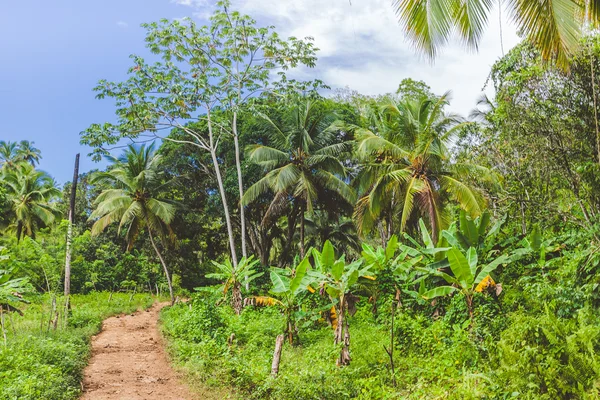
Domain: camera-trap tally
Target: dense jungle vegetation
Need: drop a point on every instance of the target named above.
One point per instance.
(330, 244)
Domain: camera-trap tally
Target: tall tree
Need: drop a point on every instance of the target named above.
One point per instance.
(133, 201)
(539, 133)
(8, 154)
(204, 70)
(301, 161)
(407, 169)
(29, 193)
(28, 153)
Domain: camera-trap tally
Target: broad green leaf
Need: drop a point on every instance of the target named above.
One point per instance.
(332, 291)
(484, 222)
(496, 228)
(328, 255)
(295, 283)
(391, 247)
(438, 292)
(409, 250)
(252, 277)
(535, 238)
(472, 258)
(337, 270)
(460, 267)
(435, 250)
(485, 271)
(352, 279)
(440, 264)
(468, 229)
(425, 235)
(448, 278)
(281, 284)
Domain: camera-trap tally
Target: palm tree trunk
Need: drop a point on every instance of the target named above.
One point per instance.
(213, 154)
(162, 261)
(302, 212)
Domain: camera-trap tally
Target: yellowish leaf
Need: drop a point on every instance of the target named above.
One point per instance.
(484, 284)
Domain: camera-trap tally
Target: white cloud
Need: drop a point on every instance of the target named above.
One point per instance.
(190, 3)
(122, 24)
(363, 46)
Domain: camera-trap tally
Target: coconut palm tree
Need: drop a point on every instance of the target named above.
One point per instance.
(301, 161)
(26, 152)
(8, 154)
(29, 193)
(132, 200)
(407, 169)
(554, 27)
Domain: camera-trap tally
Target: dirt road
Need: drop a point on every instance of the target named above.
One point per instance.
(129, 363)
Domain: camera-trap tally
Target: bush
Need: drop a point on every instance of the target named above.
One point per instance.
(547, 357)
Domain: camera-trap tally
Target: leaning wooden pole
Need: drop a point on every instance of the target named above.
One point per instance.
(277, 354)
(70, 236)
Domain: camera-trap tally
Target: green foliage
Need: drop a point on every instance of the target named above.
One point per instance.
(42, 363)
(547, 357)
(407, 169)
(554, 30)
(235, 276)
(29, 193)
(12, 288)
(533, 159)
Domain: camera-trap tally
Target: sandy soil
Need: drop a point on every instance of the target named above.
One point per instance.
(129, 363)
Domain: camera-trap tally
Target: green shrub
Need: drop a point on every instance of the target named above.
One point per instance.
(546, 357)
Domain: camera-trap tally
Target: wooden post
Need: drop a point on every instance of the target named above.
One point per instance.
(2, 324)
(70, 236)
(277, 355)
(390, 351)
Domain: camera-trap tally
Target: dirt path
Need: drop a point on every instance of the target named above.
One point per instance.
(129, 363)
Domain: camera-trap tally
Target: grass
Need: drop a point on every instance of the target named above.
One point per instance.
(42, 363)
(197, 338)
(503, 354)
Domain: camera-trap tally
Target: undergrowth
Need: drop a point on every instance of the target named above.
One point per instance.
(504, 354)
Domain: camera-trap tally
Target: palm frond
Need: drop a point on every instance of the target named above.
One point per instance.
(467, 197)
(551, 25)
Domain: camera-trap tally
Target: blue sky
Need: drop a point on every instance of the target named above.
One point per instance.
(54, 52)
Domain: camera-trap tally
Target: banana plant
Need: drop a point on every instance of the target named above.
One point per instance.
(395, 264)
(233, 277)
(534, 245)
(401, 269)
(468, 276)
(288, 288)
(337, 278)
(478, 233)
(11, 291)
